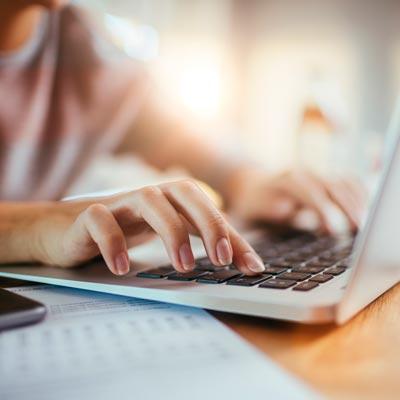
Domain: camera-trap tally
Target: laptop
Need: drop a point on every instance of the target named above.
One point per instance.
(308, 278)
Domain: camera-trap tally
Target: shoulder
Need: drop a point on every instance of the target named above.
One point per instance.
(88, 56)
(85, 41)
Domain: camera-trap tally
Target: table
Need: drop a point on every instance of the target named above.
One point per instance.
(359, 360)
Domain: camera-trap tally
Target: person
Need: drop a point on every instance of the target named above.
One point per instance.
(68, 96)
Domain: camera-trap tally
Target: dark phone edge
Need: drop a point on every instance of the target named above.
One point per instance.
(21, 318)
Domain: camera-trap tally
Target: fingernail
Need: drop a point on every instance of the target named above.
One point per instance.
(224, 252)
(186, 257)
(122, 263)
(253, 262)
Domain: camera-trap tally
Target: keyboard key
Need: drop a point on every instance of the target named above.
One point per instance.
(321, 278)
(205, 268)
(210, 268)
(204, 264)
(248, 280)
(342, 254)
(284, 248)
(306, 286)
(203, 261)
(309, 269)
(307, 252)
(282, 264)
(187, 276)
(296, 259)
(335, 271)
(269, 269)
(218, 277)
(320, 263)
(326, 254)
(294, 276)
(156, 273)
(344, 263)
(327, 261)
(277, 284)
(269, 253)
(329, 258)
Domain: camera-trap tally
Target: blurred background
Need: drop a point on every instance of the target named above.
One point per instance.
(308, 82)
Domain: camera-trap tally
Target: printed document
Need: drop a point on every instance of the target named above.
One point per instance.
(99, 346)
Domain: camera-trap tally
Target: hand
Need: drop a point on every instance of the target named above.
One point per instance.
(254, 195)
(76, 232)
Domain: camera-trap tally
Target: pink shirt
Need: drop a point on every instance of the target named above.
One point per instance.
(65, 97)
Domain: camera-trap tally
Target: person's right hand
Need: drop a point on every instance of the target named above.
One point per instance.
(80, 230)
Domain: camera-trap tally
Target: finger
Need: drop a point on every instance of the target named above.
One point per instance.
(339, 194)
(305, 219)
(157, 211)
(358, 193)
(97, 224)
(312, 194)
(281, 209)
(198, 209)
(240, 247)
(244, 256)
(137, 240)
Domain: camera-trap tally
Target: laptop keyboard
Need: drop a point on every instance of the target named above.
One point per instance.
(302, 263)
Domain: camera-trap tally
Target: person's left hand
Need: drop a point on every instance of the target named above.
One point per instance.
(283, 198)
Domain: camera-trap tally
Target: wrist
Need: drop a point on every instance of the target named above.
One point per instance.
(47, 228)
(239, 182)
(20, 230)
(37, 235)
(39, 230)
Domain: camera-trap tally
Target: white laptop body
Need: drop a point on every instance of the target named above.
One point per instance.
(375, 268)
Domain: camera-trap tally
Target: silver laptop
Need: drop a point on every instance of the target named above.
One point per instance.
(308, 279)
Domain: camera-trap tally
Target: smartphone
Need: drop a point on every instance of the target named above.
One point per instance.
(16, 310)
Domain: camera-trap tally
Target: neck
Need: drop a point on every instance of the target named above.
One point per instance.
(17, 26)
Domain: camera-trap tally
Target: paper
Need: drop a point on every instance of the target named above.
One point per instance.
(99, 346)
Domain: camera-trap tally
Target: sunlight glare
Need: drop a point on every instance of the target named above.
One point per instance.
(200, 89)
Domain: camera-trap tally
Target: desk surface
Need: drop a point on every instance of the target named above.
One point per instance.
(359, 360)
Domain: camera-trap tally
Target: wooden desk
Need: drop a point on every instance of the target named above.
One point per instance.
(359, 360)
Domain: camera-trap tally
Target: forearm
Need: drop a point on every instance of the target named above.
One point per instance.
(18, 240)
(22, 224)
(164, 141)
(227, 173)
(201, 157)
